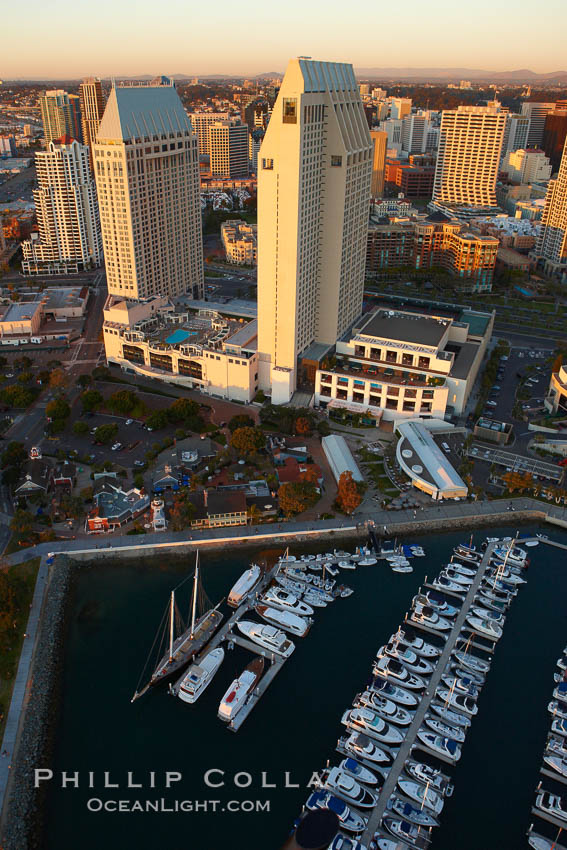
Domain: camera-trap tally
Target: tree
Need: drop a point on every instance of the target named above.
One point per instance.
(247, 440)
(182, 511)
(86, 494)
(8, 605)
(138, 480)
(25, 377)
(302, 425)
(348, 496)
(22, 524)
(242, 420)
(72, 506)
(80, 428)
(14, 454)
(295, 497)
(157, 420)
(106, 433)
(59, 408)
(17, 396)
(58, 379)
(123, 401)
(311, 474)
(84, 381)
(183, 409)
(91, 400)
(44, 376)
(101, 373)
(323, 428)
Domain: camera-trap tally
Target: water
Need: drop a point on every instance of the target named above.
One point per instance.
(295, 726)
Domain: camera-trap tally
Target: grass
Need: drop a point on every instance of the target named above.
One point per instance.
(24, 576)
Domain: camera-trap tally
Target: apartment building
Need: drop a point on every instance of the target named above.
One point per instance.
(470, 145)
(314, 184)
(515, 133)
(228, 146)
(240, 242)
(400, 107)
(412, 180)
(551, 247)
(389, 246)
(402, 364)
(92, 108)
(69, 238)
(61, 115)
(147, 176)
(526, 166)
(379, 142)
(201, 121)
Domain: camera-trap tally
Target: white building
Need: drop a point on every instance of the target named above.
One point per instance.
(515, 133)
(239, 241)
(228, 145)
(69, 238)
(201, 121)
(147, 174)
(425, 463)
(470, 144)
(314, 180)
(526, 166)
(551, 247)
(400, 365)
(536, 113)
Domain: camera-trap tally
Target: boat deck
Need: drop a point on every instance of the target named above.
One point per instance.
(410, 741)
(262, 687)
(560, 824)
(556, 846)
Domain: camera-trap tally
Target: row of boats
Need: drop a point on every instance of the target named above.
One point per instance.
(381, 716)
(549, 802)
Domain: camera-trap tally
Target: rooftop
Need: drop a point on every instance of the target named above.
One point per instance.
(464, 358)
(135, 112)
(423, 461)
(406, 327)
(21, 312)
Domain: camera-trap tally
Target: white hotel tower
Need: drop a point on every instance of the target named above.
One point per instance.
(314, 181)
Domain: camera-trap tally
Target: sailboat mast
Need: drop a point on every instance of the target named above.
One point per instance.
(195, 595)
(171, 621)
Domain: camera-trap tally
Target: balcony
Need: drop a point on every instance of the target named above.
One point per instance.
(387, 375)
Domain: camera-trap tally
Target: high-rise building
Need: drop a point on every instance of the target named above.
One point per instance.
(201, 121)
(92, 108)
(400, 107)
(61, 115)
(228, 144)
(7, 146)
(554, 135)
(379, 141)
(147, 176)
(515, 133)
(254, 144)
(526, 166)
(67, 213)
(536, 112)
(314, 182)
(470, 143)
(551, 246)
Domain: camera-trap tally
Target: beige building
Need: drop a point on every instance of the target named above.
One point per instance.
(61, 115)
(526, 166)
(400, 364)
(551, 247)
(228, 144)
(380, 142)
(147, 176)
(400, 107)
(201, 121)
(239, 240)
(314, 180)
(204, 350)
(69, 238)
(92, 108)
(469, 154)
(556, 400)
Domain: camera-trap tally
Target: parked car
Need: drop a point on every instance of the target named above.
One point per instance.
(129, 422)
(139, 463)
(116, 447)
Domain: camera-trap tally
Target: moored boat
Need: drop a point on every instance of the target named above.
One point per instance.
(425, 795)
(362, 719)
(406, 810)
(244, 586)
(267, 636)
(429, 776)
(361, 773)
(199, 676)
(361, 746)
(284, 619)
(278, 597)
(349, 819)
(240, 689)
(345, 785)
(439, 744)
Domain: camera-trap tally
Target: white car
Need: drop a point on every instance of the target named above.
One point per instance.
(129, 422)
(116, 447)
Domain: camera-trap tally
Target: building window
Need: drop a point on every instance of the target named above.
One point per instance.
(407, 359)
(358, 397)
(268, 164)
(423, 362)
(289, 110)
(336, 161)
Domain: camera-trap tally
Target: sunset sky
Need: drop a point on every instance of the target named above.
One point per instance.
(62, 39)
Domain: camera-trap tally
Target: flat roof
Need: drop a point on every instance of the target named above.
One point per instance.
(464, 358)
(477, 322)
(21, 312)
(246, 336)
(423, 460)
(406, 327)
(233, 307)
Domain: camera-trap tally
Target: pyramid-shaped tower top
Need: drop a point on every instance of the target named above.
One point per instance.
(134, 112)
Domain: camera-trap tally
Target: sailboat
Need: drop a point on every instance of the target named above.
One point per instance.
(189, 641)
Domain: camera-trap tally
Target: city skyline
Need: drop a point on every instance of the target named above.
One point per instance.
(62, 52)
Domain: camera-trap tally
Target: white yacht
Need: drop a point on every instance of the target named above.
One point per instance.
(444, 583)
(245, 584)
(267, 636)
(441, 728)
(361, 746)
(386, 708)
(457, 577)
(392, 669)
(426, 616)
(425, 795)
(296, 587)
(368, 561)
(553, 804)
(199, 676)
(314, 599)
(410, 640)
(388, 689)
(361, 773)
(437, 601)
(556, 763)
(364, 720)
(284, 619)
(461, 702)
(278, 597)
(464, 686)
(346, 565)
(479, 665)
(429, 776)
(411, 813)
(405, 656)
(484, 627)
(345, 785)
(455, 718)
(240, 689)
(487, 614)
(447, 747)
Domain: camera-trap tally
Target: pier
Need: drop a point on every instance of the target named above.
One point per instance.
(409, 741)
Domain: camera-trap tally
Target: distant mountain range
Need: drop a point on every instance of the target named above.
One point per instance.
(522, 75)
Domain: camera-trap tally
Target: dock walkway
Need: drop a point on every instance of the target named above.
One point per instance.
(417, 722)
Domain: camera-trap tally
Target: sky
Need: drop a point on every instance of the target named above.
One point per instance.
(66, 39)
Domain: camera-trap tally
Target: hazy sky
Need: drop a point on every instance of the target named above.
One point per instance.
(62, 38)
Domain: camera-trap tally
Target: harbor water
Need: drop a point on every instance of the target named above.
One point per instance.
(116, 609)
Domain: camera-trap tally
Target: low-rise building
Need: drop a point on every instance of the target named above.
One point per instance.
(493, 431)
(402, 364)
(415, 181)
(217, 508)
(556, 400)
(340, 457)
(426, 465)
(202, 350)
(239, 241)
(114, 506)
(40, 316)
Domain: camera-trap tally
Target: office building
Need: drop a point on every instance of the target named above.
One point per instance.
(556, 399)
(551, 247)
(7, 146)
(201, 121)
(470, 144)
(254, 144)
(92, 108)
(228, 147)
(147, 176)
(554, 135)
(402, 364)
(515, 133)
(314, 182)
(526, 166)
(379, 141)
(411, 179)
(378, 94)
(69, 238)
(536, 113)
(61, 115)
(400, 107)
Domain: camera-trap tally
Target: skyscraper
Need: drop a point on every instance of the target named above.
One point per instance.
(551, 246)
(147, 176)
(228, 145)
(314, 180)
(201, 121)
(61, 115)
(92, 108)
(536, 112)
(470, 143)
(67, 212)
(554, 135)
(380, 142)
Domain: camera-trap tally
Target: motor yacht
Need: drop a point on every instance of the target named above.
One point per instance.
(361, 746)
(331, 570)
(346, 565)
(429, 776)
(343, 784)
(487, 614)
(461, 568)
(440, 728)
(425, 615)
(199, 676)
(244, 586)
(461, 673)
(455, 718)
(296, 587)
(368, 561)
(444, 583)
(556, 763)
(558, 709)
(345, 842)
(278, 597)
(408, 833)
(364, 720)
(348, 819)
(461, 702)
(436, 600)
(344, 591)
(486, 628)
(553, 804)
(425, 795)
(267, 636)
(314, 599)
(479, 665)
(284, 619)
(361, 773)
(408, 811)
(560, 692)
(297, 575)
(458, 577)
(400, 567)
(447, 747)
(513, 556)
(409, 639)
(413, 662)
(240, 689)
(386, 708)
(388, 689)
(392, 669)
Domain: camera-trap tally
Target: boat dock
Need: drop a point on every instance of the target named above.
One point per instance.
(266, 680)
(537, 835)
(410, 740)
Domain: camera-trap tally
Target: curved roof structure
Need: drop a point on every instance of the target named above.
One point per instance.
(428, 467)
